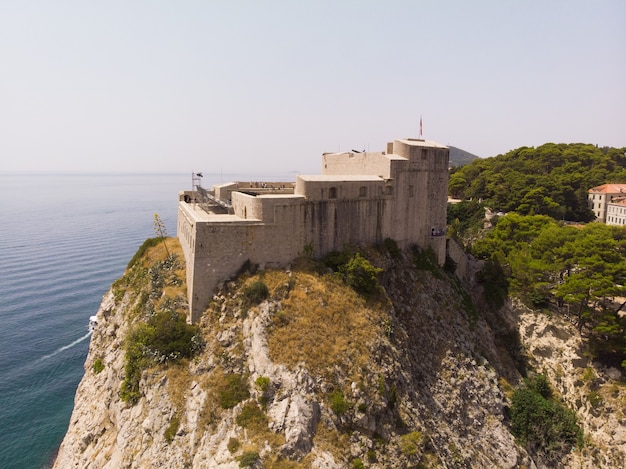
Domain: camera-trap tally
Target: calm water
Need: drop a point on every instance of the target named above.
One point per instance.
(63, 240)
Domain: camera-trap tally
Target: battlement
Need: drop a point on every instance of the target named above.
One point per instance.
(360, 198)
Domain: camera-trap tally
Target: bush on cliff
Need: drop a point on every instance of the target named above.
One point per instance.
(356, 271)
(164, 337)
(542, 423)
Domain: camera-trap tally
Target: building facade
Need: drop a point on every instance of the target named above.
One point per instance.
(360, 198)
(601, 197)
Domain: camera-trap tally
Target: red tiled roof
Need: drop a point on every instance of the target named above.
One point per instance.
(609, 189)
(619, 201)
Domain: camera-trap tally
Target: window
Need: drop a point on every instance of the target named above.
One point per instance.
(332, 193)
(362, 191)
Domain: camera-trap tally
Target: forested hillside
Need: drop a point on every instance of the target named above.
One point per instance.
(552, 179)
(578, 271)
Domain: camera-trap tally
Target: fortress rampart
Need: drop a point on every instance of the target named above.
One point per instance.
(359, 198)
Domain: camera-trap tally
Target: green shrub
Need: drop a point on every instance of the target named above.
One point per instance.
(165, 337)
(359, 274)
(170, 431)
(232, 390)
(595, 399)
(411, 443)
(233, 445)
(338, 403)
(336, 259)
(495, 282)
(249, 458)
(262, 383)
(392, 248)
(357, 464)
(424, 259)
(98, 366)
(544, 425)
(539, 384)
(256, 292)
(147, 244)
(251, 415)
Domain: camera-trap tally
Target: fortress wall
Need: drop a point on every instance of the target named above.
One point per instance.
(467, 266)
(375, 164)
(421, 196)
(185, 231)
(351, 203)
(223, 191)
(222, 247)
(261, 207)
(355, 189)
(220, 254)
(247, 206)
(330, 225)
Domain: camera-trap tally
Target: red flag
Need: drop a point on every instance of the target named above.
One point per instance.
(420, 126)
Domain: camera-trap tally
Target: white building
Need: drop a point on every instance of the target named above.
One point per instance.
(601, 197)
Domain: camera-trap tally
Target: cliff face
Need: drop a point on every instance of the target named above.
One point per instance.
(314, 375)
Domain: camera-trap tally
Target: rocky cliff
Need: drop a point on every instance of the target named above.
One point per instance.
(296, 369)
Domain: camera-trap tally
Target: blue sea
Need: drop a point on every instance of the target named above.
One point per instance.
(64, 238)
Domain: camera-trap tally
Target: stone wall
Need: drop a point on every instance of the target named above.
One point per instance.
(467, 266)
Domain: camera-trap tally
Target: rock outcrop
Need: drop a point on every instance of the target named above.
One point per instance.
(411, 377)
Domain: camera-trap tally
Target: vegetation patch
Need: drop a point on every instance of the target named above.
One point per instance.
(338, 403)
(170, 431)
(412, 443)
(164, 338)
(256, 292)
(576, 271)
(551, 179)
(160, 334)
(251, 416)
(141, 252)
(232, 389)
(544, 425)
(323, 321)
(233, 445)
(357, 464)
(98, 366)
(248, 458)
(425, 259)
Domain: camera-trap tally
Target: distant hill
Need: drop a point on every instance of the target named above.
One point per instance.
(552, 179)
(460, 157)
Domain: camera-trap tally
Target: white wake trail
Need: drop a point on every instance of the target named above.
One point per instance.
(65, 347)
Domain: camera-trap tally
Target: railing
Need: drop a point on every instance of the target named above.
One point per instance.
(207, 199)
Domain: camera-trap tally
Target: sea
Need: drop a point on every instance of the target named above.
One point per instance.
(64, 238)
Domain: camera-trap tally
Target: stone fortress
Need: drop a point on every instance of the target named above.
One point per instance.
(360, 198)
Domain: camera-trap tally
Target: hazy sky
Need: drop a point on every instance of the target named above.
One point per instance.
(258, 85)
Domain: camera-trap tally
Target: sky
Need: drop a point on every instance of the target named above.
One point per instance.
(233, 85)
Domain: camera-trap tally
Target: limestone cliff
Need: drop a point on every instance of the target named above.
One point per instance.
(311, 374)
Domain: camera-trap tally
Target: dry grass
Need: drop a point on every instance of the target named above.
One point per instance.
(331, 441)
(322, 324)
(178, 381)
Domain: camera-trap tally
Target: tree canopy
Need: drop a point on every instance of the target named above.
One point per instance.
(578, 270)
(552, 179)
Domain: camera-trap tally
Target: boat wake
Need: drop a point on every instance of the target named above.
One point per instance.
(65, 347)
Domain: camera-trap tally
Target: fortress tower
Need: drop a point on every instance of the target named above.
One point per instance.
(360, 198)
